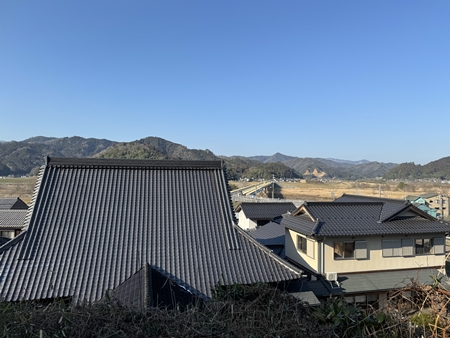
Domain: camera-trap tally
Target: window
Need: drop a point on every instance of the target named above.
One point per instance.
(305, 245)
(392, 248)
(439, 245)
(397, 247)
(7, 233)
(423, 246)
(350, 250)
(301, 244)
(407, 247)
(427, 246)
(361, 250)
(343, 250)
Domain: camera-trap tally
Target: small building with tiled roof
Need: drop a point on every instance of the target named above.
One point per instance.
(12, 222)
(253, 214)
(9, 203)
(363, 235)
(140, 230)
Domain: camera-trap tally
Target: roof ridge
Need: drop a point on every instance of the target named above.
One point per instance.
(137, 163)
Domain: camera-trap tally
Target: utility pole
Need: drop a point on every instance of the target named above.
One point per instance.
(273, 185)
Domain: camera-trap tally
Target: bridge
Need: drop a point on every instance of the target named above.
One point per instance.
(248, 194)
(252, 189)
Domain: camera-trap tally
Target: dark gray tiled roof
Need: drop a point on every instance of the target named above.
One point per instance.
(390, 206)
(359, 219)
(7, 203)
(95, 223)
(362, 198)
(265, 211)
(3, 240)
(269, 234)
(14, 219)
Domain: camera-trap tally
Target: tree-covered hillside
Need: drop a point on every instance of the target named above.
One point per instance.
(239, 167)
(25, 157)
(158, 149)
(155, 148)
(439, 169)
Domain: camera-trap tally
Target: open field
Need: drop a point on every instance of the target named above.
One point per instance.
(303, 190)
(327, 191)
(18, 187)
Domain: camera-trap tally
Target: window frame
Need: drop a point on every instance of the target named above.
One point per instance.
(344, 250)
(422, 246)
(302, 244)
(394, 245)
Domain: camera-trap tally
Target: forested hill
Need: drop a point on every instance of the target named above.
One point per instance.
(158, 149)
(439, 169)
(155, 148)
(25, 157)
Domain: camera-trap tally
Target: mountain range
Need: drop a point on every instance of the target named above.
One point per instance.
(25, 157)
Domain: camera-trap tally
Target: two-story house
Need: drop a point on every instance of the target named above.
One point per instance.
(364, 245)
(435, 204)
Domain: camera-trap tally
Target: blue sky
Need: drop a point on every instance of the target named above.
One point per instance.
(333, 79)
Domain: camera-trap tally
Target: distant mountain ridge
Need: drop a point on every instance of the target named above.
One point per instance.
(25, 157)
(322, 168)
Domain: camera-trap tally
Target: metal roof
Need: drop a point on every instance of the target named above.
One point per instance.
(14, 219)
(266, 210)
(95, 223)
(362, 218)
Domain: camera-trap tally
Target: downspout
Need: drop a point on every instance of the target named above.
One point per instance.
(321, 258)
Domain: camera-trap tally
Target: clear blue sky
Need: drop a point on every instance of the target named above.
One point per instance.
(342, 79)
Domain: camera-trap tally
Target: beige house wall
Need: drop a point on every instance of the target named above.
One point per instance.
(244, 222)
(374, 261)
(310, 262)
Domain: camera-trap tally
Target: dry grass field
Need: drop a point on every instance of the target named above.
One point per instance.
(327, 191)
(18, 187)
(304, 190)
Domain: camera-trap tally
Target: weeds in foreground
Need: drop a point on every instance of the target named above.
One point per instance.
(238, 311)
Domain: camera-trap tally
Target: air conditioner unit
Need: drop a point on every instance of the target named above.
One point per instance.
(331, 276)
